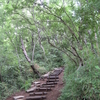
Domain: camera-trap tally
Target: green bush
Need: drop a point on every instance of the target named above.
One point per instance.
(54, 58)
(6, 90)
(82, 84)
(27, 84)
(14, 80)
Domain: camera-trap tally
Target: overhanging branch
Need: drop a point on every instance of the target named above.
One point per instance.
(62, 51)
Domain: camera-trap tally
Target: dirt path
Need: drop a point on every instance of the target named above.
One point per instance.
(52, 95)
(55, 93)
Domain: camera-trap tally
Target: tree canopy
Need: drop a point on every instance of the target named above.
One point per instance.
(50, 33)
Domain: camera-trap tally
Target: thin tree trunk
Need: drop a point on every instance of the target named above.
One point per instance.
(0, 77)
(39, 36)
(24, 51)
(97, 46)
(80, 59)
(28, 59)
(33, 50)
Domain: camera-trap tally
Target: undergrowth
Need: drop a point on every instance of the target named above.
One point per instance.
(82, 84)
(16, 78)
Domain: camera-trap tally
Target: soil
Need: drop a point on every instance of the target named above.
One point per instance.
(52, 95)
(56, 92)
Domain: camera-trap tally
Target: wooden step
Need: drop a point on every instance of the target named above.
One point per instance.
(56, 73)
(36, 98)
(52, 80)
(53, 74)
(38, 93)
(31, 89)
(18, 97)
(60, 70)
(45, 85)
(51, 83)
(43, 89)
(52, 77)
(57, 70)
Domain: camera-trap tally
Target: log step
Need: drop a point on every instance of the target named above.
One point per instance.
(45, 85)
(52, 77)
(18, 97)
(38, 93)
(56, 73)
(59, 71)
(43, 89)
(31, 89)
(52, 80)
(36, 98)
(51, 83)
(53, 74)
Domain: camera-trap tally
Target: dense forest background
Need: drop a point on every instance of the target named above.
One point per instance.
(39, 35)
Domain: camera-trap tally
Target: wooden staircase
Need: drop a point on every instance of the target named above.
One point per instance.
(40, 91)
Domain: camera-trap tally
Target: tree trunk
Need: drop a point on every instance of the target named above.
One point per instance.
(28, 59)
(0, 77)
(35, 71)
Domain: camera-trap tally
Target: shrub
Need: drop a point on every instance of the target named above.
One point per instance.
(82, 84)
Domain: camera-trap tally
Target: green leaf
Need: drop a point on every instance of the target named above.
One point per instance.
(97, 67)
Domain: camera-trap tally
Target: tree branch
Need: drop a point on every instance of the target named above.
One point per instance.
(33, 50)
(39, 36)
(24, 51)
(24, 18)
(62, 51)
(63, 23)
(80, 59)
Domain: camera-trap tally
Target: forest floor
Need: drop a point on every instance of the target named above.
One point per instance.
(52, 95)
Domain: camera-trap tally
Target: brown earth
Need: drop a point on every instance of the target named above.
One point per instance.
(52, 95)
(55, 93)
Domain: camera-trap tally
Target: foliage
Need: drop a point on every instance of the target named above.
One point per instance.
(52, 33)
(13, 80)
(6, 90)
(82, 84)
(54, 58)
